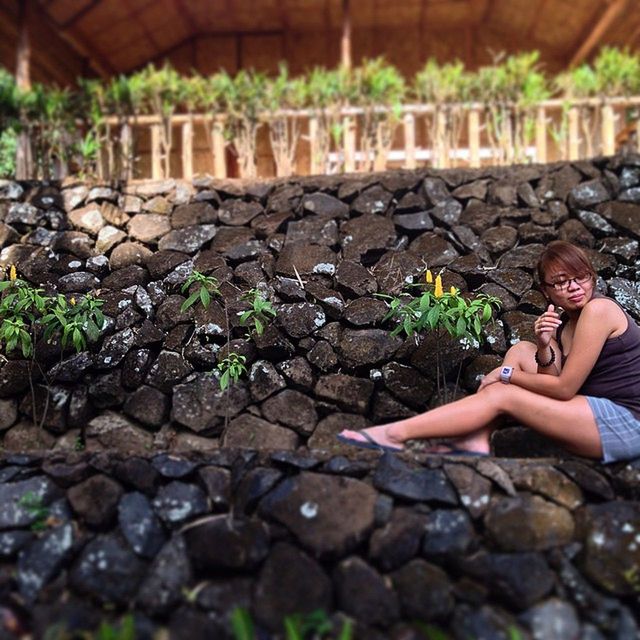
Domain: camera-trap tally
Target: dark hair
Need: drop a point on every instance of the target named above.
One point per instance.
(571, 259)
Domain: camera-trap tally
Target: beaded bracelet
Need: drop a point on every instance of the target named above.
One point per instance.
(546, 364)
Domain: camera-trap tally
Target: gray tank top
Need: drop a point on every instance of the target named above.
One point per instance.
(616, 373)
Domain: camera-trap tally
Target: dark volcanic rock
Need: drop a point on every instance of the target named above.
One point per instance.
(177, 501)
(293, 409)
(187, 239)
(107, 570)
(306, 260)
(399, 479)
(302, 588)
(218, 542)
(368, 233)
(349, 392)
(186, 215)
(299, 320)
(424, 590)
(168, 577)
(361, 347)
(148, 406)
(312, 507)
(398, 541)
(610, 534)
(237, 213)
(250, 432)
(434, 250)
(140, 525)
(364, 594)
(96, 500)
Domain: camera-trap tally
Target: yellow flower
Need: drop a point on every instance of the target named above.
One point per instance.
(12, 272)
(438, 290)
(453, 291)
(72, 301)
(429, 276)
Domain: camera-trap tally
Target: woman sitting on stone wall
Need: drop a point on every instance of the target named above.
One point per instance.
(579, 384)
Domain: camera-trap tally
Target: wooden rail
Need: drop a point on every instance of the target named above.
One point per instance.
(451, 135)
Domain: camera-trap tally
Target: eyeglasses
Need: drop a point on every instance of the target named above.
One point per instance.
(563, 285)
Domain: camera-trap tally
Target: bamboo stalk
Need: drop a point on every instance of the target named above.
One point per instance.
(315, 164)
(219, 158)
(409, 124)
(541, 135)
(608, 130)
(474, 137)
(349, 142)
(187, 150)
(574, 139)
(126, 149)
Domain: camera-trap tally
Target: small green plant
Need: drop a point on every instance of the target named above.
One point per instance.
(444, 313)
(232, 368)
(208, 286)
(124, 630)
(32, 504)
(77, 322)
(309, 626)
(260, 313)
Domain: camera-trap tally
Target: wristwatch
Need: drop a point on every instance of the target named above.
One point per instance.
(505, 374)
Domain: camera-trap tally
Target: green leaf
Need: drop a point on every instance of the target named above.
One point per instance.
(205, 297)
(259, 326)
(224, 380)
(242, 624)
(486, 313)
(461, 327)
(190, 301)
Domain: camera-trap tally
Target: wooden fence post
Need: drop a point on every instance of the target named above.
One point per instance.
(608, 130)
(574, 139)
(541, 135)
(441, 141)
(473, 123)
(219, 158)
(187, 150)
(315, 164)
(349, 142)
(409, 126)
(156, 162)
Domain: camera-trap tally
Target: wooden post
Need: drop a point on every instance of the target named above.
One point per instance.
(574, 139)
(409, 124)
(187, 150)
(24, 160)
(474, 138)
(156, 153)
(608, 130)
(219, 153)
(541, 135)
(126, 150)
(345, 42)
(315, 164)
(349, 142)
(638, 134)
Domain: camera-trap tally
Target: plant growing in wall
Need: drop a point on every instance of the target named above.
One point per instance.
(26, 314)
(284, 93)
(260, 313)
(379, 89)
(445, 313)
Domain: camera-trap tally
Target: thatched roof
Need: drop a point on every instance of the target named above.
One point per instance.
(103, 37)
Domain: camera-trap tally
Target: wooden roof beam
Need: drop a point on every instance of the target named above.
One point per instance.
(596, 31)
(79, 15)
(78, 44)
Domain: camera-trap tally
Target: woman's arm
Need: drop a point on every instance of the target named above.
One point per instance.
(598, 320)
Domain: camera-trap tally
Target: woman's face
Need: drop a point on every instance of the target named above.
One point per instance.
(571, 291)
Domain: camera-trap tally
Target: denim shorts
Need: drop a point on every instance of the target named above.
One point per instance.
(619, 430)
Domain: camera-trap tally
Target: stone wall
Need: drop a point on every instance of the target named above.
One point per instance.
(481, 549)
(320, 249)
(249, 516)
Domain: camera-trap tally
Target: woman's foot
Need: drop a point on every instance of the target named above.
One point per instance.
(476, 442)
(376, 436)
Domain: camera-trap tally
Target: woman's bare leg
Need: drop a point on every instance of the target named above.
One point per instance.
(520, 356)
(570, 422)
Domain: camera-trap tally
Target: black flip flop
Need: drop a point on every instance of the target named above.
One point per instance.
(369, 444)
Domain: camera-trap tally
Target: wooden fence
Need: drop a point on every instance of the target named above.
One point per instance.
(422, 135)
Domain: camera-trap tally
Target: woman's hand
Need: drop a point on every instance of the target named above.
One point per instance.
(490, 378)
(545, 327)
